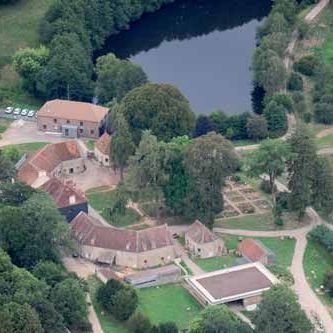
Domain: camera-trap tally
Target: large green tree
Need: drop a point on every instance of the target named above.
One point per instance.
(121, 146)
(277, 120)
(269, 159)
(32, 231)
(279, 312)
(116, 77)
(218, 319)
(160, 108)
(301, 165)
(7, 168)
(209, 159)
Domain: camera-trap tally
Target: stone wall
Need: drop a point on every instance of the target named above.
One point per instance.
(102, 158)
(205, 250)
(85, 128)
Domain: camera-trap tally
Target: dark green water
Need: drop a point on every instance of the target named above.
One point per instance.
(204, 47)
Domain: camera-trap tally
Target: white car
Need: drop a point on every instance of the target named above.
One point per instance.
(9, 109)
(17, 111)
(24, 112)
(31, 113)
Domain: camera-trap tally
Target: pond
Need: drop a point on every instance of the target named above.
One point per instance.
(204, 47)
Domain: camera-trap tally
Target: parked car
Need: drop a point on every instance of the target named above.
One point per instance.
(31, 113)
(17, 111)
(9, 109)
(24, 112)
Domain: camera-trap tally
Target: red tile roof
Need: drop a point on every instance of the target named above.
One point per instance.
(252, 249)
(103, 144)
(200, 233)
(89, 231)
(63, 194)
(47, 159)
(71, 110)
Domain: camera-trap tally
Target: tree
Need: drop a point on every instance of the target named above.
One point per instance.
(328, 282)
(257, 127)
(322, 188)
(269, 70)
(15, 194)
(32, 231)
(118, 299)
(276, 117)
(68, 72)
(19, 318)
(50, 272)
(139, 323)
(308, 65)
(158, 107)
(275, 23)
(218, 319)
(282, 99)
(323, 113)
(269, 159)
(300, 168)
(28, 63)
(279, 312)
(69, 300)
(203, 126)
(168, 327)
(122, 146)
(208, 160)
(257, 98)
(288, 8)
(115, 77)
(295, 82)
(7, 168)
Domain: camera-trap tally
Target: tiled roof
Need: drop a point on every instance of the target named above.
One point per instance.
(63, 194)
(47, 159)
(252, 249)
(71, 110)
(103, 144)
(89, 231)
(200, 233)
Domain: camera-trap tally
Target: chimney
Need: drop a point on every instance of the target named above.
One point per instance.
(72, 200)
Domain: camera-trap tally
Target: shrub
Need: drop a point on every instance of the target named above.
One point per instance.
(282, 199)
(265, 186)
(328, 282)
(323, 113)
(298, 96)
(139, 323)
(324, 236)
(308, 65)
(295, 82)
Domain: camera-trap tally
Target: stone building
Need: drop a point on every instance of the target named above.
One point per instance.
(69, 200)
(102, 150)
(122, 247)
(72, 119)
(53, 160)
(202, 242)
(254, 250)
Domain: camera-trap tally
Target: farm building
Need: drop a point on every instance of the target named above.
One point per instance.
(202, 242)
(102, 150)
(72, 119)
(122, 247)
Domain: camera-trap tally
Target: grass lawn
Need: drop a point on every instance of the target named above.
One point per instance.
(102, 199)
(168, 303)
(18, 28)
(318, 260)
(4, 124)
(283, 249)
(90, 144)
(160, 304)
(25, 148)
(325, 141)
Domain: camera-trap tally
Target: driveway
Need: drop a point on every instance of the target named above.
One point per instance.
(21, 131)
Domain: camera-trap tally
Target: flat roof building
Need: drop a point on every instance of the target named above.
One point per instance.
(240, 283)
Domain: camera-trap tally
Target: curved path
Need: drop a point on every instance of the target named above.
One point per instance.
(307, 298)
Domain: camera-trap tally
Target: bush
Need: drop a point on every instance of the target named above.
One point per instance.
(323, 113)
(282, 199)
(139, 323)
(266, 187)
(328, 282)
(308, 65)
(297, 97)
(324, 236)
(295, 82)
(118, 299)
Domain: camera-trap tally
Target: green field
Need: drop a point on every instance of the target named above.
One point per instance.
(102, 199)
(316, 262)
(160, 304)
(325, 141)
(18, 28)
(4, 124)
(282, 248)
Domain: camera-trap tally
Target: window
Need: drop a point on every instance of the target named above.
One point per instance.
(71, 170)
(199, 250)
(92, 131)
(145, 261)
(66, 132)
(55, 121)
(81, 123)
(162, 258)
(68, 121)
(44, 127)
(80, 130)
(106, 160)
